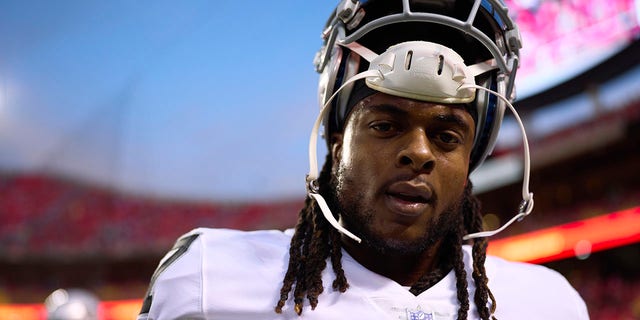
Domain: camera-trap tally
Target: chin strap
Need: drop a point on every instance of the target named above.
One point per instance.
(526, 205)
(312, 177)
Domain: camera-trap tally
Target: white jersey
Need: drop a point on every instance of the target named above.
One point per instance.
(229, 274)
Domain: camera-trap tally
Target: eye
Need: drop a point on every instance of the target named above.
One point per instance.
(447, 137)
(382, 126)
(448, 140)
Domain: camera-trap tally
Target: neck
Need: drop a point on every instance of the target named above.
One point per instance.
(405, 269)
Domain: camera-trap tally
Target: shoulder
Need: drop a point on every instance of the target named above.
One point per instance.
(221, 241)
(184, 274)
(519, 286)
(221, 245)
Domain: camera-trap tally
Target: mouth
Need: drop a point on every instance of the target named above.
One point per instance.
(409, 199)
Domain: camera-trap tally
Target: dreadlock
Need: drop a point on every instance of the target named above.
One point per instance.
(315, 240)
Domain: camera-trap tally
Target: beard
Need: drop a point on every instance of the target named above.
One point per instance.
(357, 216)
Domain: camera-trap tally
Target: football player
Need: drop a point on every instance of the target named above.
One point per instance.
(412, 94)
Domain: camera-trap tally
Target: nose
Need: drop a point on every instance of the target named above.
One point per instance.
(416, 152)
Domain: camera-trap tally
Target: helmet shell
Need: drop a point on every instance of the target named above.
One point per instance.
(477, 30)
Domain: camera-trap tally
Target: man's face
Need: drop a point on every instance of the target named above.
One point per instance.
(400, 168)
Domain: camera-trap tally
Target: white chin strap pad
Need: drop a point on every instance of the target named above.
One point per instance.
(424, 71)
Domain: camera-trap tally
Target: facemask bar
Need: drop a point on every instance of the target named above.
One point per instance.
(379, 72)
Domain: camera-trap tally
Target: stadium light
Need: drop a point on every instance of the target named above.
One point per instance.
(576, 239)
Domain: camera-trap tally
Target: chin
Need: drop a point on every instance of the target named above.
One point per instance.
(402, 244)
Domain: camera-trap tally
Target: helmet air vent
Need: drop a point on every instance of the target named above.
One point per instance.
(407, 61)
(440, 64)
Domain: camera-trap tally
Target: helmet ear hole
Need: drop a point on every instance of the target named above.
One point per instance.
(351, 68)
(349, 64)
(489, 114)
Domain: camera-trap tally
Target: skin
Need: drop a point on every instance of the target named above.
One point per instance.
(400, 169)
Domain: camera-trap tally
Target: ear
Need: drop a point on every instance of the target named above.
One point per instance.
(336, 147)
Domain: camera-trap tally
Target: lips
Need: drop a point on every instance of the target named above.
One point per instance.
(409, 198)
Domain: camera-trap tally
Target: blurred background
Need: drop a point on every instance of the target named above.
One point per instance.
(124, 124)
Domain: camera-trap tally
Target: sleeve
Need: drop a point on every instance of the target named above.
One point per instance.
(581, 312)
(559, 293)
(175, 290)
(529, 291)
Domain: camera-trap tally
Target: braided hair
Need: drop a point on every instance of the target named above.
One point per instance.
(315, 240)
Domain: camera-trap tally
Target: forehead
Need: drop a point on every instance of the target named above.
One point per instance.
(409, 108)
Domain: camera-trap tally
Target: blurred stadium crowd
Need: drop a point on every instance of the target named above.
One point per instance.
(57, 232)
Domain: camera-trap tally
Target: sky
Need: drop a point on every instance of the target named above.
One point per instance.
(185, 99)
(205, 99)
